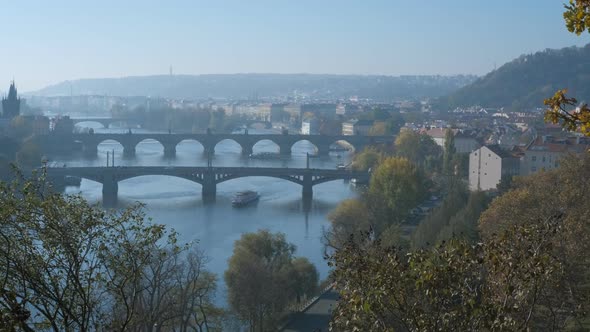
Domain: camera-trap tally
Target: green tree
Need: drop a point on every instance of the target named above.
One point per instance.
(397, 186)
(513, 281)
(561, 107)
(385, 289)
(367, 159)
(29, 155)
(350, 217)
(429, 229)
(419, 149)
(449, 152)
(75, 266)
(20, 127)
(306, 278)
(261, 280)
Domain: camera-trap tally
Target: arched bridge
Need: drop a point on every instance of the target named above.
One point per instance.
(105, 122)
(208, 177)
(322, 143)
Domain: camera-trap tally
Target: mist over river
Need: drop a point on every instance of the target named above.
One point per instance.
(177, 203)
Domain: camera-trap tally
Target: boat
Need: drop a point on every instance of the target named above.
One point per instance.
(244, 198)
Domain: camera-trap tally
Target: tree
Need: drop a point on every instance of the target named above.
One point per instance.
(261, 279)
(350, 217)
(562, 109)
(513, 281)
(75, 266)
(449, 153)
(397, 186)
(367, 159)
(419, 149)
(385, 289)
(29, 155)
(378, 129)
(544, 222)
(577, 16)
(306, 278)
(429, 229)
(20, 127)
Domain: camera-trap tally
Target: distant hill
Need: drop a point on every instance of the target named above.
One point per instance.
(241, 86)
(526, 81)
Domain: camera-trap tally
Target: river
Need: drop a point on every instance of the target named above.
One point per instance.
(177, 202)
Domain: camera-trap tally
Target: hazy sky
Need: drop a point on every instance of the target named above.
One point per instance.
(44, 42)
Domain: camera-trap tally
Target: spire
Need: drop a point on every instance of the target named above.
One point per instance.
(12, 94)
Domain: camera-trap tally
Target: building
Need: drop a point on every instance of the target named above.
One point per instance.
(11, 103)
(310, 127)
(464, 143)
(488, 165)
(38, 123)
(544, 152)
(357, 127)
(277, 113)
(319, 110)
(62, 125)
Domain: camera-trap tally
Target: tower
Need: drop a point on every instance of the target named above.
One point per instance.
(11, 103)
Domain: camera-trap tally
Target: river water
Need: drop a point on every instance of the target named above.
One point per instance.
(177, 202)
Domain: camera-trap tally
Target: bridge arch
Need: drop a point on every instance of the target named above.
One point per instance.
(304, 146)
(150, 145)
(345, 144)
(177, 176)
(91, 124)
(293, 179)
(229, 145)
(266, 145)
(109, 144)
(190, 145)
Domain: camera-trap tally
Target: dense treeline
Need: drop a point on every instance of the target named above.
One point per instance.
(525, 82)
(527, 268)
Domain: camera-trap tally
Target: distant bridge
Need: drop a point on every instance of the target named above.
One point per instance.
(105, 122)
(322, 143)
(208, 177)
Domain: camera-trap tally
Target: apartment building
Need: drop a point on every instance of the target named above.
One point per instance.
(489, 164)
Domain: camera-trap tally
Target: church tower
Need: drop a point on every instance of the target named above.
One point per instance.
(11, 103)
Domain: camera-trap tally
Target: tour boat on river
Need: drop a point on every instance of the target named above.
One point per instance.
(244, 198)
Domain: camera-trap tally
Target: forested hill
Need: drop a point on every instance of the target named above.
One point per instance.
(240, 86)
(526, 81)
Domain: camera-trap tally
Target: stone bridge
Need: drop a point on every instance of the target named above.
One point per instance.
(105, 122)
(322, 143)
(208, 177)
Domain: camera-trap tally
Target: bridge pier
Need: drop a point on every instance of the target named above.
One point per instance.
(110, 192)
(129, 150)
(209, 187)
(307, 190)
(170, 150)
(247, 150)
(285, 149)
(208, 150)
(90, 150)
(323, 149)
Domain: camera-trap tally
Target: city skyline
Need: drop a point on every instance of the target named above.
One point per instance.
(58, 41)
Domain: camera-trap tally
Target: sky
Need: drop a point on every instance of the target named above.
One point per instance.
(46, 42)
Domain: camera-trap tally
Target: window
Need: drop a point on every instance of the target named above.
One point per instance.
(533, 169)
(556, 164)
(543, 158)
(534, 158)
(489, 154)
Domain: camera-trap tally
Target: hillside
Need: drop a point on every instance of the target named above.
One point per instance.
(526, 81)
(240, 86)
